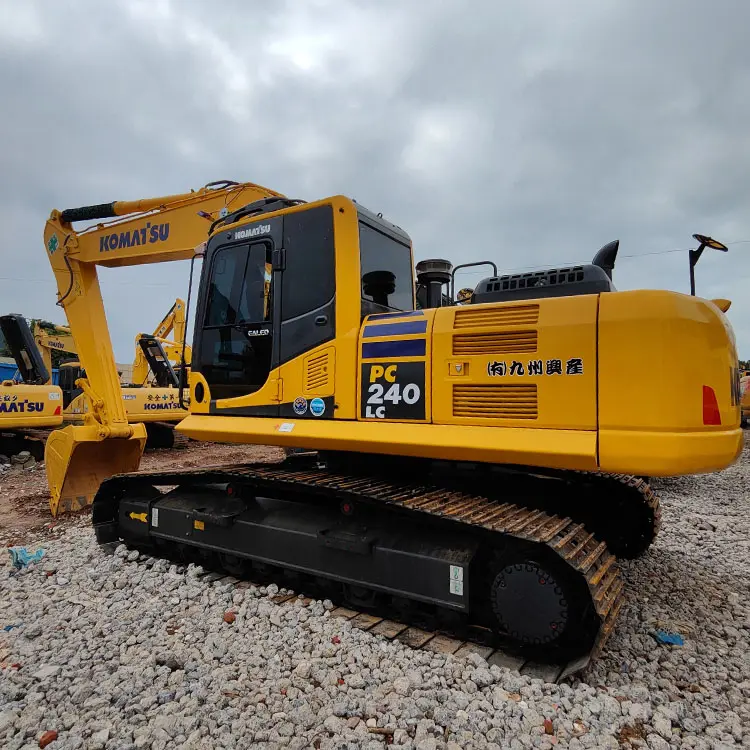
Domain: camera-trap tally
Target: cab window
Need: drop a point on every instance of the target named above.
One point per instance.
(239, 291)
(387, 277)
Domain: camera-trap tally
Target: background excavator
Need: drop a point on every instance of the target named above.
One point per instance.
(156, 403)
(50, 338)
(499, 441)
(35, 406)
(28, 409)
(174, 346)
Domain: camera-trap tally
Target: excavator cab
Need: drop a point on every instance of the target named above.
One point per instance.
(69, 373)
(32, 404)
(20, 343)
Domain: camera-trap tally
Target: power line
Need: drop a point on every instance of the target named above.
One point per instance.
(581, 262)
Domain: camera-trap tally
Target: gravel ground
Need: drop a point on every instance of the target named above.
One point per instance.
(113, 653)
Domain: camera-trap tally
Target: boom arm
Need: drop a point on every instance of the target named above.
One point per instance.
(61, 341)
(150, 231)
(174, 320)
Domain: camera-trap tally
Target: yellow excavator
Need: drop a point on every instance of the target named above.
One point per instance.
(28, 409)
(154, 402)
(35, 406)
(50, 337)
(501, 441)
(174, 346)
(31, 408)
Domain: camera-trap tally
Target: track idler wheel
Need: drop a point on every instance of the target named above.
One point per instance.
(538, 605)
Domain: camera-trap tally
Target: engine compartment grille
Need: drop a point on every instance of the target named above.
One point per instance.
(510, 315)
(497, 342)
(516, 401)
(317, 372)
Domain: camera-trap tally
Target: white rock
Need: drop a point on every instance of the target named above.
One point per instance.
(401, 685)
(7, 719)
(303, 669)
(100, 737)
(662, 725)
(47, 672)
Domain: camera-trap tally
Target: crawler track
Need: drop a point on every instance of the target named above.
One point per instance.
(571, 541)
(162, 435)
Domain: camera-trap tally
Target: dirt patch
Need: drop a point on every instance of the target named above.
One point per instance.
(24, 495)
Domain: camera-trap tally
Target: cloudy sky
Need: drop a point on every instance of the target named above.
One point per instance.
(527, 131)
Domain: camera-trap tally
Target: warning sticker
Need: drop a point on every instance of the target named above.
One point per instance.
(457, 580)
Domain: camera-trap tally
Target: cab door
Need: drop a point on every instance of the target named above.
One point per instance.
(236, 340)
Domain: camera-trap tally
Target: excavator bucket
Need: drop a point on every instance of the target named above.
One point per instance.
(78, 460)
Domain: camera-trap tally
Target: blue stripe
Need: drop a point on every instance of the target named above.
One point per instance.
(395, 329)
(405, 314)
(394, 349)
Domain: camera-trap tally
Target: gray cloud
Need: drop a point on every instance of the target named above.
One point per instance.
(530, 133)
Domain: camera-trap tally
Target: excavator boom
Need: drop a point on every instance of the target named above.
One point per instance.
(174, 320)
(152, 230)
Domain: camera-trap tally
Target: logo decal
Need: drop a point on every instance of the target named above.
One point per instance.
(317, 407)
(157, 407)
(573, 366)
(53, 244)
(54, 396)
(300, 405)
(243, 234)
(393, 390)
(148, 234)
(23, 406)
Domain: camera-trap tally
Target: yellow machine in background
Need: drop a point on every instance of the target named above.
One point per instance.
(175, 347)
(29, 409)
(49, 337)
(498, 441)
(157, 405)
